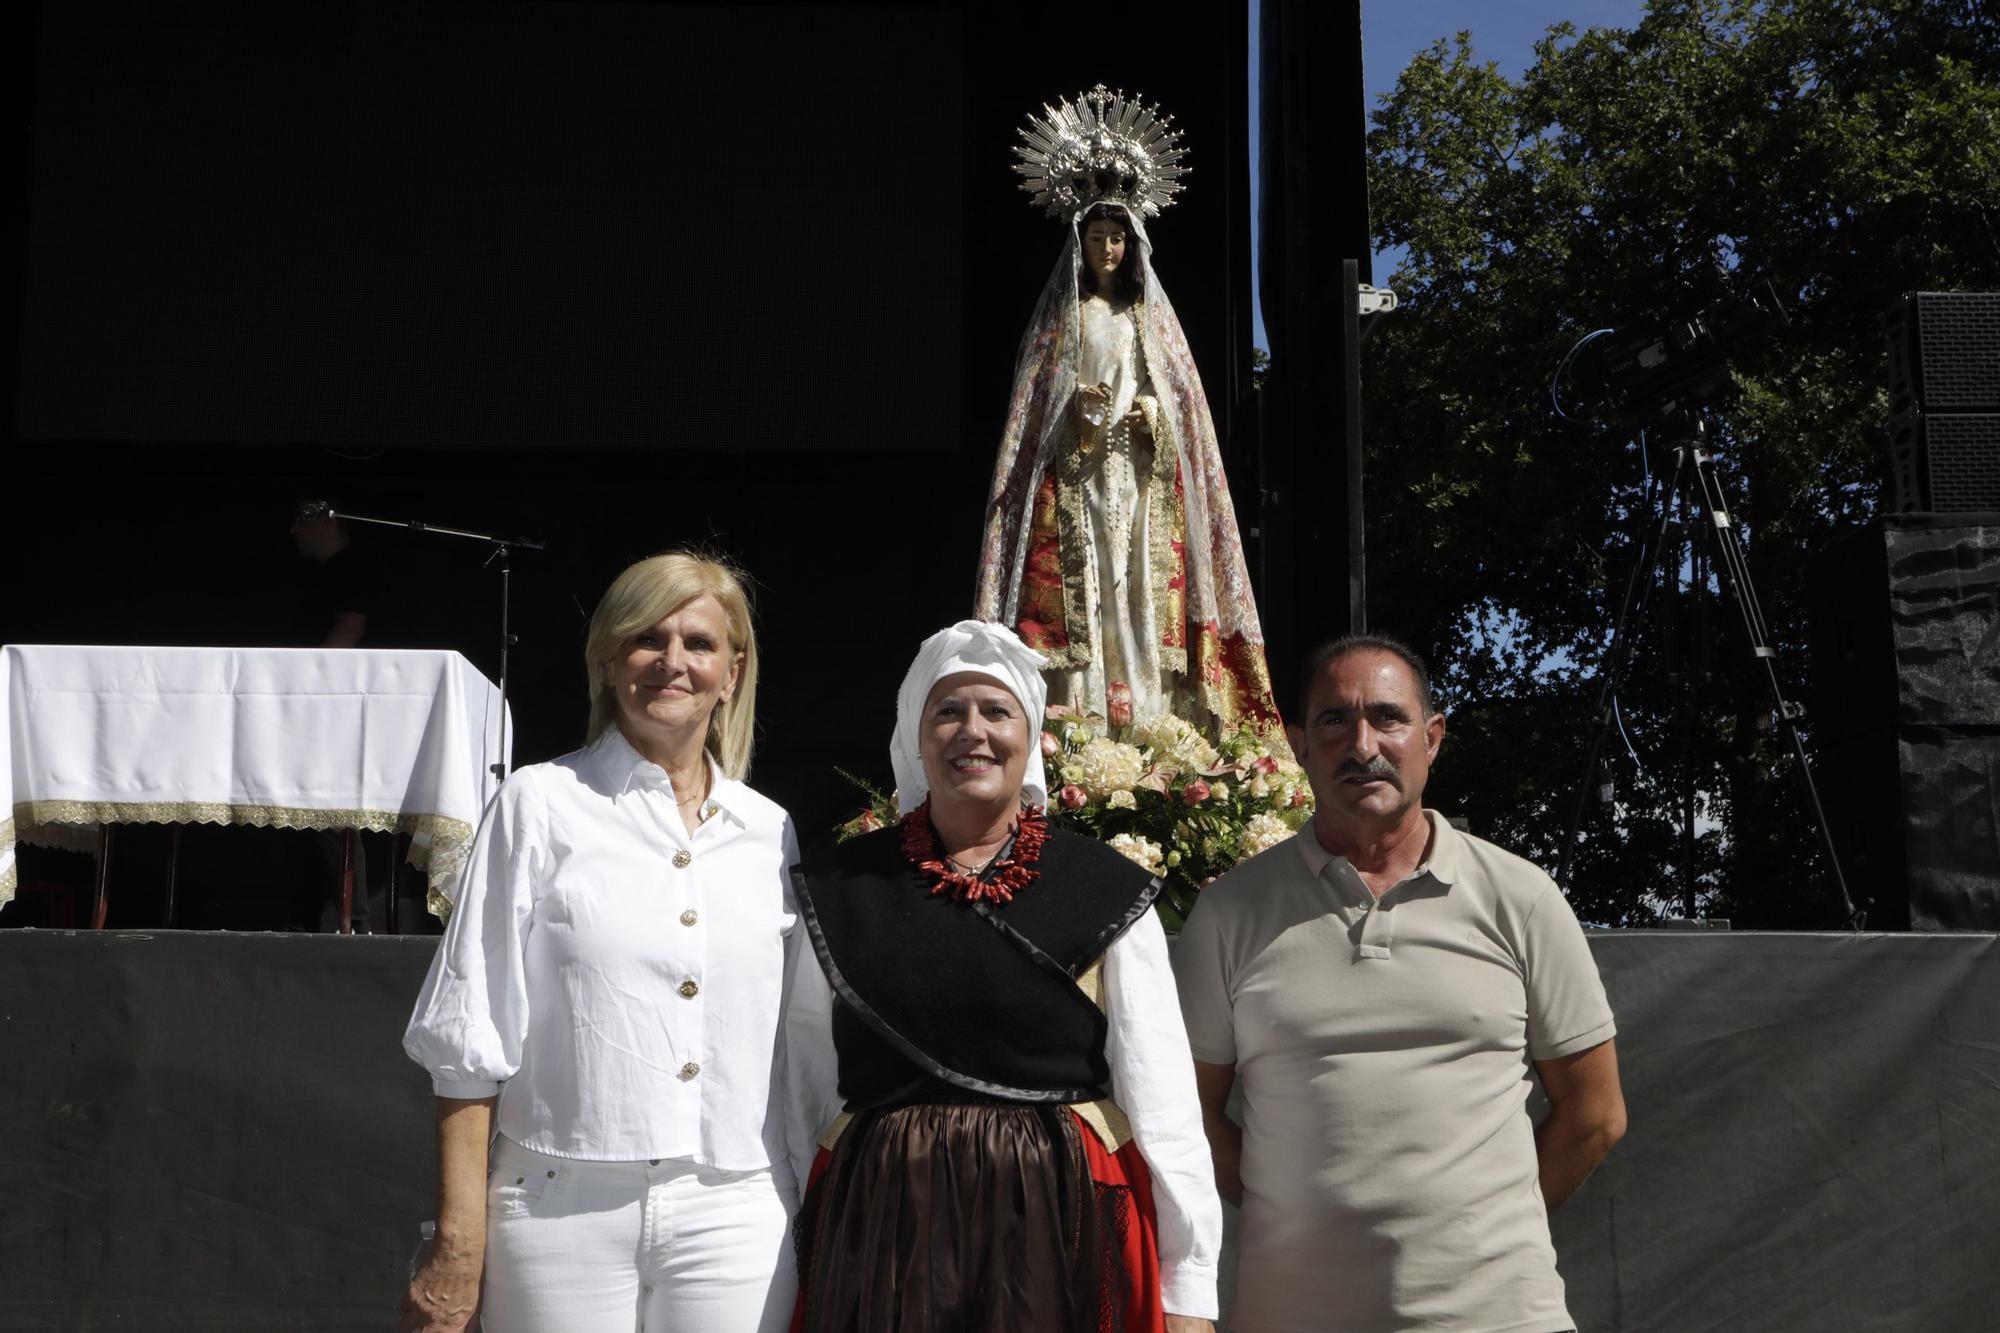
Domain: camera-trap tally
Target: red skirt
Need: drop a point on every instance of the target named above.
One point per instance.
(977, 1219)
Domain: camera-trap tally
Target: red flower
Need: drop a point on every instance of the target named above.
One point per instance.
(1050, 745)
(1264, 764)
(1118, 704)
(1074, 797)
(869, 821)
(1298, 797)
(1195, 792)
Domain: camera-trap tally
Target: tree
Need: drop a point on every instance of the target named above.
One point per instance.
(1849, 152)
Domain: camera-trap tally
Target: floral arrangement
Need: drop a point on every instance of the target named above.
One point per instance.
(1176, 802)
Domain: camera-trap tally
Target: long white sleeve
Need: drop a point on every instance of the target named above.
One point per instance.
(472, 1015)
(1152, 1079)
(811, 1071)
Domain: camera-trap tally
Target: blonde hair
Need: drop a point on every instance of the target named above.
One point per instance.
(644, 595)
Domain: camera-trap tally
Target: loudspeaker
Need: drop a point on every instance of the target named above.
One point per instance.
(1906, 716)
(1944, 401)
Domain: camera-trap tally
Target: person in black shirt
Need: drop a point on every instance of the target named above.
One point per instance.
(339, 596)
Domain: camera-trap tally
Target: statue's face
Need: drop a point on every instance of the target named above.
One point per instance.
(1104, 242)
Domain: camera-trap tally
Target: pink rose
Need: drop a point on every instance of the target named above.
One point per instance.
(1264, 764)
(1050, 745)
(1118, 704)
(1298, 797)
(1195, 792)
(1074, 796)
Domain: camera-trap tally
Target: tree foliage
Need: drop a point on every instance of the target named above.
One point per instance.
(1850, 152)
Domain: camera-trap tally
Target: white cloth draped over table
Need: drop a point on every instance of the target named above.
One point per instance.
(302, 738)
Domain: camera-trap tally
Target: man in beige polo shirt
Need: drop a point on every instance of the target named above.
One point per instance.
(1388, 988)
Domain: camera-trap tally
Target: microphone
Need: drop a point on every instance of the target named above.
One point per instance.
(315, 511)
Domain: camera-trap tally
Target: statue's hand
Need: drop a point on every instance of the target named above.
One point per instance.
(1135, 421)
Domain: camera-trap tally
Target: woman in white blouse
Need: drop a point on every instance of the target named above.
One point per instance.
(604, 1006)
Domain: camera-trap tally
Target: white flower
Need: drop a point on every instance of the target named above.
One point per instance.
(1122, 800)
(1105, 766)
(1175, 743)
(1263, 832)
(1142, 852)
(1218, 791)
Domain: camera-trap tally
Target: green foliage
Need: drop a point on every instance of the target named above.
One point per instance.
(1850, 152)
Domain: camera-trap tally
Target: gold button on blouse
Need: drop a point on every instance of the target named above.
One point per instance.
(690, 1069)
(689, 917)
(690, 988)
(681, 859)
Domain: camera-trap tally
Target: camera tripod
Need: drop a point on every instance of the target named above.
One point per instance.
(1694, 482)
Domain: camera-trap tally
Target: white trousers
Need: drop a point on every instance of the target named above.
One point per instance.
(619, 1247)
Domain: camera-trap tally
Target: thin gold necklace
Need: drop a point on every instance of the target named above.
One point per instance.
(700, 813)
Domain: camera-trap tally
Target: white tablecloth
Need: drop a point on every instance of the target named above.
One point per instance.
(303, 738)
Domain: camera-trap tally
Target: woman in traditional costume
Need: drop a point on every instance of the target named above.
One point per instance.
(1018, 1144)
(1111, 542)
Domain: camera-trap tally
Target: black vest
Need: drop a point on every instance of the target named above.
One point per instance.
(941, 1001)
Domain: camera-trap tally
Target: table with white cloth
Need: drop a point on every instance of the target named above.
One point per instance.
(389, 741)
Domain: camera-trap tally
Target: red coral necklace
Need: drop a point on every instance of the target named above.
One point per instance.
(998, 881)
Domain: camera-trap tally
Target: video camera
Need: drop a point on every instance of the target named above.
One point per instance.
(1626, 377)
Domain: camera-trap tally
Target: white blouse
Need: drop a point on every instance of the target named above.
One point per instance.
(1152, 1080)
(615, 979)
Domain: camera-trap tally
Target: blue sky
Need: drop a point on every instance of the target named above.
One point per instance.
(1504, 31)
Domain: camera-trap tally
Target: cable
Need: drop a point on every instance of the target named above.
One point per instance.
(1555, 384)
(1619, 717)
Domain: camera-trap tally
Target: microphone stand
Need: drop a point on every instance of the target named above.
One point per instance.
(503, 549)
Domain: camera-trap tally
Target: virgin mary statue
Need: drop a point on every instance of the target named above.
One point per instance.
(1111, 545)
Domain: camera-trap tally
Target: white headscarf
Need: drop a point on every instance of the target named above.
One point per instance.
(984, 649)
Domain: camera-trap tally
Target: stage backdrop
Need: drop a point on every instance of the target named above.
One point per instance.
(219, 1131)
(617, 276)
(379, 223)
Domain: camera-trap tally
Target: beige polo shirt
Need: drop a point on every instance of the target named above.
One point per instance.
(1384, 1048)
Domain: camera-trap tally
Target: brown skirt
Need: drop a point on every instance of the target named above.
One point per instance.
(961, 1218)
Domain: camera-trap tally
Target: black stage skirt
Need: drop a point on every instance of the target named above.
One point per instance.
(961, 1218)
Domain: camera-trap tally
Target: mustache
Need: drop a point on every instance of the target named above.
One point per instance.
(1376, 767)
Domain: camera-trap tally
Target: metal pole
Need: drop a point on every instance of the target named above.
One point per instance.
(100, 906)
(1357, 571)
(1638, 586)
(347, 837)
(1744, 593)
(499, 766)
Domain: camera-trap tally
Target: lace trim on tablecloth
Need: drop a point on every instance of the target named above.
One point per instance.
(438, 845)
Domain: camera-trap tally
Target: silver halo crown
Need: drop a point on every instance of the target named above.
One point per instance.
(1103, 148)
